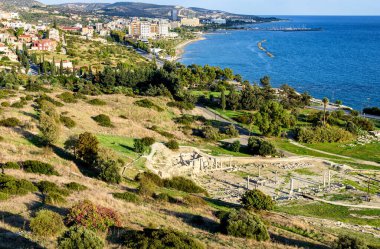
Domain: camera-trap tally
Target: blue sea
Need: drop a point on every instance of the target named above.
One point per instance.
(341, 62)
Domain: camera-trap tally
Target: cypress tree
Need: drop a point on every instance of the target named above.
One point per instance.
(223, 100)
(61, 68)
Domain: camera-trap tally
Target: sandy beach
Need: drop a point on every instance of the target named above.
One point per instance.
(180, 48)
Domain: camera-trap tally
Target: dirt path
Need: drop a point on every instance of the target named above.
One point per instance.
(332, 154)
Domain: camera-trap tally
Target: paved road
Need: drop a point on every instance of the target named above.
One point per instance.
(331, 108)
(149, 56)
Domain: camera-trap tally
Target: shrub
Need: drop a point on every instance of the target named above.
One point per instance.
(231, 131)
(142, 145)
(146, 187)
(156, 179)
(194, 201)
(19, 104)
(240, 223)
(210, 133)
(261, 147)
(38, 167)
(75, 186)
(10, 122)
(160, 238)
(97, 102)
(45, 97)
(54, 198)
(255, 199)
(12, 186)
(127, 196)
(67, 121)
(182, 105)
(348, 242)
(10, 165)
(162, 197)
(148, 104)
(103, 120)
(183, 184)
(235, 146)
(80, 237)
(5, 104)
(325, 134)
(187, 119)
(108, 170)
(67, 97)
(47, 187)
(3, 196)
(172, 144)
(47, 223)
(53, 194)
(92, 216)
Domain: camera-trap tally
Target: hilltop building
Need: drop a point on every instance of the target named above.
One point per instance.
(190, 22)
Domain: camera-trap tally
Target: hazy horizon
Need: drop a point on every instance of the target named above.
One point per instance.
(266, 7)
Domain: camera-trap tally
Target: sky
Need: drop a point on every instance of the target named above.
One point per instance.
(268, 7)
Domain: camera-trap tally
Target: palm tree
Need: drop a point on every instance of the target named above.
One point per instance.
(325, 101)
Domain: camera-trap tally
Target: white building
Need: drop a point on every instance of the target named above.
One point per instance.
(219, 21)
(163, 28)
(54, 35)
(65, 64)
(14, 25)
(145, 30)
(98, 26)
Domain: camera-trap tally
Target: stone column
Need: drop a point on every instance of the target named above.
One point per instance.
(259, 170)
(275, 178)
(329, 178)
(291, 186)
(324, 179)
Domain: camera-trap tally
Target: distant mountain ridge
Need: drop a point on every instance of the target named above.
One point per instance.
(14, 4)
(144, 10)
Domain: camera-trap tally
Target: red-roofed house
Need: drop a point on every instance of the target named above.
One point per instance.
(72, 29)
(44, 45)
(25, 38)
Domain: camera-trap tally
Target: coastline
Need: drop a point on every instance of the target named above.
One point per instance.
(180, 48)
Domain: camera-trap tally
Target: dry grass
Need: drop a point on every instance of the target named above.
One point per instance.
(17, 147)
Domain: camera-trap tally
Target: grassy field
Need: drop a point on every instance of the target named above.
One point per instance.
(122, 145)
(370, 152)
(332, 212)
(285, 145)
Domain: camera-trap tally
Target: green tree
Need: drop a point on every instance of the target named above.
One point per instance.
(53, 68)
(261, 147)
(272, 117)
(61, 67)
(233, 100)
(348, 242)
(87, 147)
(325, 102)
(223, 99)
(49, 123)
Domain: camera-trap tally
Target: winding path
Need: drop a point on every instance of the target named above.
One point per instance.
(336, 155)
